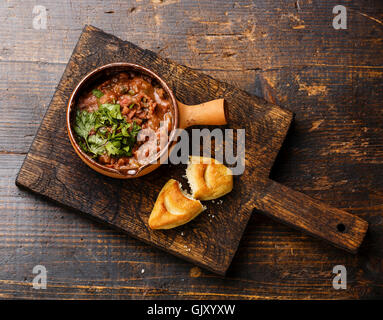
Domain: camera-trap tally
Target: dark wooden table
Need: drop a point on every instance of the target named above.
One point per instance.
(285, 51)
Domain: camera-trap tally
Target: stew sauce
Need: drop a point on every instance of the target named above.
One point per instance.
(143, 102)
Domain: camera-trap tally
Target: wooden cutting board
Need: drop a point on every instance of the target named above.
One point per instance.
(53, 170)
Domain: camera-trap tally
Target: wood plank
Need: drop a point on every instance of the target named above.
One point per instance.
(52, 169)
(317, 158)
(98, 258)
(231, 35)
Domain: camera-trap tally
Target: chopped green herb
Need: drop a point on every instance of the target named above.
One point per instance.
(124, 130)
(96, 148)
(127, 150)
(111, 149)
(135, 129)
(97, 93)
(131, 92)
(105, 131)
(102, 131)
(114, 110)
(97, 140)
(83, 146)
(84, 123)
(131, 106)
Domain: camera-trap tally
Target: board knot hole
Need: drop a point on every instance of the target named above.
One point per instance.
(341, 227)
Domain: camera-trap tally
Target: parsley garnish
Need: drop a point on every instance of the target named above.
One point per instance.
(105, 131)
(84, 123)
(113, 110)
(97, 93)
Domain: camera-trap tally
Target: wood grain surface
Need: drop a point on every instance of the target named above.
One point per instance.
(52, 168)
(286, 53)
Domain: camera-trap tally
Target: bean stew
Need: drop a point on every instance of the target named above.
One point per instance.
(112, 118)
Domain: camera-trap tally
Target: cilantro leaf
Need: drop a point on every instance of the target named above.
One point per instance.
(114, 110)
(112, 149)
(96, 144)
(124, 130)
(111, 133)
(83, 146)
(96, 139)
(84, 123)
(135, 129)
(97, 93)
(96, 150)
(127, 150)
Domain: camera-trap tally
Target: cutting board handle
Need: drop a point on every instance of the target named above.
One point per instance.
(336, 226)
(207, 113)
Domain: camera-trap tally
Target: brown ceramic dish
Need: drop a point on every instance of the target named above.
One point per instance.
(183, 116)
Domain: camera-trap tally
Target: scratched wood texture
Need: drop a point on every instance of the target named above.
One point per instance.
(53, 170)
(284, 51)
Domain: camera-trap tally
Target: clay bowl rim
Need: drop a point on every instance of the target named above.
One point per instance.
(87, 80)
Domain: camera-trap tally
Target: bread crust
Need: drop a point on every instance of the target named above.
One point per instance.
(209, 179)
(173, 208)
